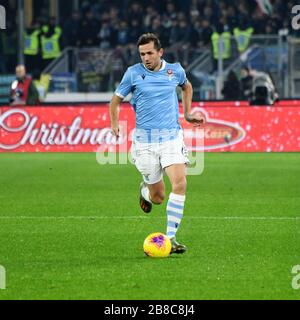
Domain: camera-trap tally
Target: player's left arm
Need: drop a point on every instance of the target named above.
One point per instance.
(187, 95)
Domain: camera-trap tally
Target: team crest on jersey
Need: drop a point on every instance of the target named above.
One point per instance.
(170, 74)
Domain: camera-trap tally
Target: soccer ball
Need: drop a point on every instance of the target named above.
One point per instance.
(157, 245)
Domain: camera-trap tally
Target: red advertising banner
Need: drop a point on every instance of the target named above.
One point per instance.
(230, 126)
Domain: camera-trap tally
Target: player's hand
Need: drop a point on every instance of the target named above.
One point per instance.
(115, 131)
(196, 119)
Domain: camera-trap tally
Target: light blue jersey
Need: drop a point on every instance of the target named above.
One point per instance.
(154, 100)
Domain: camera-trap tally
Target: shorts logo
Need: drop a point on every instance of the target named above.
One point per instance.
(146, 176)
(184, 151)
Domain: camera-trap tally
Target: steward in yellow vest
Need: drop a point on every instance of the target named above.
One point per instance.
(50, 42)
(242, 38)
(225, 44)
(31, 42)
(32, 47)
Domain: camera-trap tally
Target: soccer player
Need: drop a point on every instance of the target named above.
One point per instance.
(158, 145)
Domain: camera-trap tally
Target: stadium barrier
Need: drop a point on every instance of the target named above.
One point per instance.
(230, 126)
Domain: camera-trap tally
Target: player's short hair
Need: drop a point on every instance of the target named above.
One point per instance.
(147, 38)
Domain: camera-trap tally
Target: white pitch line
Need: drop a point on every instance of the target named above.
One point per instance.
(143, 217)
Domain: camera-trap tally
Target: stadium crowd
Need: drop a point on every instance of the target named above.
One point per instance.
(108, 24)
(113, 23)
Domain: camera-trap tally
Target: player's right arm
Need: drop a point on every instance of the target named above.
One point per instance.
(124, 88)
(114, 107)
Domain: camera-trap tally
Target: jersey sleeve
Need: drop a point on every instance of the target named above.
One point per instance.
(125, 86)
(182, 76)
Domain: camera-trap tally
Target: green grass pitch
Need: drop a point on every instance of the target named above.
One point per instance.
(72, 229)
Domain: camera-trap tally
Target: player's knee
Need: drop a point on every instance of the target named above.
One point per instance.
(157, 197)
(179, 186)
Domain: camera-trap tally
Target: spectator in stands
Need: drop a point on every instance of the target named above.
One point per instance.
(85, 7)
(171, 10)
(269, 30)
(107, 35)
(243, 13)
(193, 15)
(184, 6)
(208, 14)
(23, 90)
(195, 36)
(121, 23)
(221, 10)
(88, 31)
(232, 19)
(135, 11)
(122, 33)
(149, 16)
(207, 32)
(184, 31)
(173, 35)
(71, 30)
(258, 22)
(157, 28)
(114, 16)
(135, 30)
(276, 22)
(232, 87)
(168, 17)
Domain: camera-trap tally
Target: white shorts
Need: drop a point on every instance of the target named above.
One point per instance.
(152, 158)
